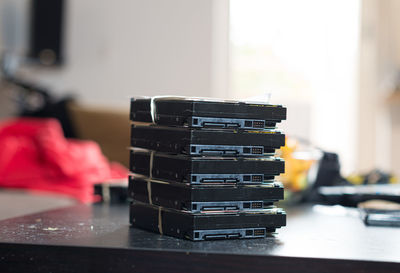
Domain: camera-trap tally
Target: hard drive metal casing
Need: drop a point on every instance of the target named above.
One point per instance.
(205, 170)
(206, 226)
(202, 113)
(181, 196)
(207, 142)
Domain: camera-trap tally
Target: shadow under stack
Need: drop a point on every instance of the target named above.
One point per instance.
(204, 169)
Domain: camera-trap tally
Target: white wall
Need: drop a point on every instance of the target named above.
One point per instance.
(123, 48)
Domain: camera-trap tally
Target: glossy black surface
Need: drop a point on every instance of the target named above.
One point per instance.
(100, 236)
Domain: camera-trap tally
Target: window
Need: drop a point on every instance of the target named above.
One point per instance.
(305, 53)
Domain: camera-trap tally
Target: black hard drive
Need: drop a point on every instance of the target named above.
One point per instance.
(200, 113)
(204, 198)
(206, 226)
(205, 170)
(207, 142)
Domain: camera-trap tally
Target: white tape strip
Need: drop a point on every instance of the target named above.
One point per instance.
(151, 164)
(160, 228)
(153, 107)
(153, 110)
(150, 178)
(149, 192)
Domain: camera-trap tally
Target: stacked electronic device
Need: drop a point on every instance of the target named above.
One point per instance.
(204, 169)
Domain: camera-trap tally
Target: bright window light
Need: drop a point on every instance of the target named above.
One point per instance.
(305, 53)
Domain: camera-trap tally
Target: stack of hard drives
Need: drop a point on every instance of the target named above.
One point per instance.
(204, 169)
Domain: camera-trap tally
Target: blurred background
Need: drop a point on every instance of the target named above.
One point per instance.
(334, 63)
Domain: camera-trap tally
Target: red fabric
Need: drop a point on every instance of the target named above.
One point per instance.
(34, 154)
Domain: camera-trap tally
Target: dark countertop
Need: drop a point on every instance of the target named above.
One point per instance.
(98, 239)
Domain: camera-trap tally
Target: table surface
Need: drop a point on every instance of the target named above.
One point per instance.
(24, 202)
(98, 238)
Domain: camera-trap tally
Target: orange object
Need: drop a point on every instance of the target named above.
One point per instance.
(296, 170)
